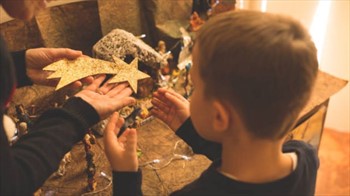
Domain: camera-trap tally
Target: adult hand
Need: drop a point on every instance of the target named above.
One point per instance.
(38, 58)
(107, 98)
(121, 152)
(170, 107)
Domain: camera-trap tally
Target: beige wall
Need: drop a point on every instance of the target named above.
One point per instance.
(4, 17)
(336, 60)
(335, 54)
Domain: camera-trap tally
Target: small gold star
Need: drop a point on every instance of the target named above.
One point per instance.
(129, 73)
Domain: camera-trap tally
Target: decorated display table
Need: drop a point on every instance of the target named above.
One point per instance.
(167, 162)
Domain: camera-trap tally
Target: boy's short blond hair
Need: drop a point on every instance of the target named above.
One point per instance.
(264, 65)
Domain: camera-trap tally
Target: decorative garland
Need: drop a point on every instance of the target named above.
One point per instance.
(89, 140)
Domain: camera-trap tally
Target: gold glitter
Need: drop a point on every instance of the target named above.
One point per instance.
(72, 70)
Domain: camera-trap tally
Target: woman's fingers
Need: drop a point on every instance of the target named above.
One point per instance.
(117, 89)
(126, 101)
(96, 83)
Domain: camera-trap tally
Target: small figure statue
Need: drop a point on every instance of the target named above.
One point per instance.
(221, 6)
(167, 57)
(22, 129)
(196, 22)
(22, 115)
(203, 10)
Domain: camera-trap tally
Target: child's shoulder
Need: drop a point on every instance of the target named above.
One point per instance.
(304, 151)
(297, 144)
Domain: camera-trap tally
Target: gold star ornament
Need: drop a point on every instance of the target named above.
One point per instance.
(72, 70)
(129, 73)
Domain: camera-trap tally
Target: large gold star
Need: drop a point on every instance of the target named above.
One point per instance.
(129, 73)
(73, 70)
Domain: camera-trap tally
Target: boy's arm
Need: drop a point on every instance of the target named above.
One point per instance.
(122, 155)
(127, 183)
(199, 145)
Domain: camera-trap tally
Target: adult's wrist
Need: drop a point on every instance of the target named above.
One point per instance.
(19, 59)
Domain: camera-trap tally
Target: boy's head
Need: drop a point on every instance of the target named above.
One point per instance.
(262, 65)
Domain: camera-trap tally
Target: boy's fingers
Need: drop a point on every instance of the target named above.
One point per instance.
(175, 100)
(159, 114)
(159, 104)
(175, 94)
(170, 97)
(131, 140)
(109, 133)
(162, 90)
(118, 125)
(162, 98)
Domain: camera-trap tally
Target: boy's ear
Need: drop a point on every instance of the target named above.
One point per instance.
(221, 116)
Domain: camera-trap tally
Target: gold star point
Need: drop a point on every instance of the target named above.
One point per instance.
(129, 73)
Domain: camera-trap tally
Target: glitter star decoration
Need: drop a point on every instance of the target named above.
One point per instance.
(129, 73)
(72, 70)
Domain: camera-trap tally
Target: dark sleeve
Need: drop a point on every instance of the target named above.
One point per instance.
(307, 166)
(127, 183)
(199, 145)
(20, 66)
(305, 149)
(29, 162)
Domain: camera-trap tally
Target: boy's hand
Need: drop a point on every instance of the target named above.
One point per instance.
(107, 98)
(38, 58)
(170, 107)
(121, 152)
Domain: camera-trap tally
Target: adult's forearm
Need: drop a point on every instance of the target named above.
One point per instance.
(20, 65)
(27, 164)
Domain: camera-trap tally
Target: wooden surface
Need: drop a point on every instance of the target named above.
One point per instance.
(156, 141)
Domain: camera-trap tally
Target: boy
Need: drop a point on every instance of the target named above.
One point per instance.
(253, 73)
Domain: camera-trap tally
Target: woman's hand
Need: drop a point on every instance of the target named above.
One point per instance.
(107, 98)
(38, 58)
